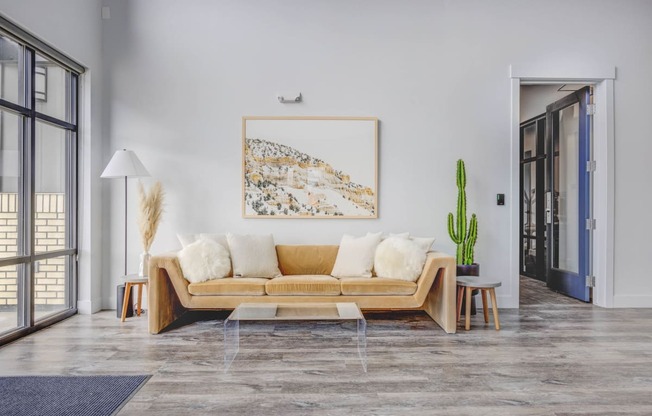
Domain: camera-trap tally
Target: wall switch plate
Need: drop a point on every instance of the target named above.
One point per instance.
(500, 199)
(106, 12)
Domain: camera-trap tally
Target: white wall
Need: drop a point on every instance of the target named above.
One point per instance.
(179, 75)
(74, 27)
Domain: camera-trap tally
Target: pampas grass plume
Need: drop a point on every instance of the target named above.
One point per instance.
(151, 210)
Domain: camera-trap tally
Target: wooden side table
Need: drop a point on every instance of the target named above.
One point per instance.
(133, 280)
(469, 283)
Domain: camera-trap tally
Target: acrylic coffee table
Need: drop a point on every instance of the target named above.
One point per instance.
(292, 312)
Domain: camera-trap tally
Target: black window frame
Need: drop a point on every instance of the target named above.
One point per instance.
(27, 256)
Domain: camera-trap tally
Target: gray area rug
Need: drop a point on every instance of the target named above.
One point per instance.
(67, 395)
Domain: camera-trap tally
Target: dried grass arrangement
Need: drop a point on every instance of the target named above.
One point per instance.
(150, 212)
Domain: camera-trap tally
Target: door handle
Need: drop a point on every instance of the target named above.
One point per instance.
(549, 207)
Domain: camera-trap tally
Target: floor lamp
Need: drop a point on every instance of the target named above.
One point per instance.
(125, 164)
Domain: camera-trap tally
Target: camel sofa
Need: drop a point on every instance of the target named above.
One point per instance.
(306, 278)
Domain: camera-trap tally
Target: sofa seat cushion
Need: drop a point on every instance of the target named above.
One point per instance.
(303, 285)
(230, 286)
(378, 286)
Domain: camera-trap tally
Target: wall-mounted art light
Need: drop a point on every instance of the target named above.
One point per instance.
(289, 97)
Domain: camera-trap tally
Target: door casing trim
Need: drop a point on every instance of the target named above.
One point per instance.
(602, 77)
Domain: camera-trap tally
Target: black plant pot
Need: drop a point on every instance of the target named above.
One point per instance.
(469, 270)
(120, 296)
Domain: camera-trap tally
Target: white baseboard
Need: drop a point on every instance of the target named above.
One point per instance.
(632, 301)
(111, 302)
(620, 301)
(88, 307)
(506, 302)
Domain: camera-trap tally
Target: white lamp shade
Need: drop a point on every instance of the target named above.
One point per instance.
(124, 163)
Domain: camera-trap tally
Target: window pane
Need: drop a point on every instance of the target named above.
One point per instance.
(530, 141)
(51, 283)
(529, 198)
(50, 203)
(51, 88)
(10, 172)
(11, 74)
(9, 297)
(567, 221)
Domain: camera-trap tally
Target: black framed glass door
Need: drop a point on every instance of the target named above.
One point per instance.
(533, 228)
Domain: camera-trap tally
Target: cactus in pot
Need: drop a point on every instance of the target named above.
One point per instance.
(457, 229)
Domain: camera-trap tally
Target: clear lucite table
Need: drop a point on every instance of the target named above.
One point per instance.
(292, 312)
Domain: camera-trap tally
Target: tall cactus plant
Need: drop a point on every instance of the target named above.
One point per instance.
(465, 240)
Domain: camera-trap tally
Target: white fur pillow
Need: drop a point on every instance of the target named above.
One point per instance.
(187, 239)
(399, 258)
(218, 238)
(355, 256)
(423, 242)
(204, 260)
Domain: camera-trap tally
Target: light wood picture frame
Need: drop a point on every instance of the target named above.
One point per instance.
(309, 167)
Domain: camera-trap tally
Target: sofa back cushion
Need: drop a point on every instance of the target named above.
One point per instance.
(306, 259)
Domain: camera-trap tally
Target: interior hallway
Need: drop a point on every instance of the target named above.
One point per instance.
(534, 292)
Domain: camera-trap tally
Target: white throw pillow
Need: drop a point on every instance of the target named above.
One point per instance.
(355, 256)
(204, 260)
(424, 242)
(187, 239)
(399, 235)
(400, 258)
(253, 255)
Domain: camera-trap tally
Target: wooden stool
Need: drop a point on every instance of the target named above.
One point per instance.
(133, 280)
(468, 284)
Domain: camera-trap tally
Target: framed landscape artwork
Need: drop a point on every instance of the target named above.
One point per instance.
(310, 167)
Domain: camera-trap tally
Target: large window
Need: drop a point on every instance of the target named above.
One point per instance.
(38, 182)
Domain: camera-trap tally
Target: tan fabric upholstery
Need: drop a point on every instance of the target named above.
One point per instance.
(169, 296)
(365, 302)
(437, 290)
(303, 285)
(301, 260)
(167, 292)
(246, 286)
(376, 286)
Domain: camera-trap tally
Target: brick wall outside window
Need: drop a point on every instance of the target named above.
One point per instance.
(50, 225)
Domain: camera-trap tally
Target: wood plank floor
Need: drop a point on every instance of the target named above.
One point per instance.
(547, 360)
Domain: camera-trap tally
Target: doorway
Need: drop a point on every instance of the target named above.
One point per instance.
(602, 77)
(555, 189)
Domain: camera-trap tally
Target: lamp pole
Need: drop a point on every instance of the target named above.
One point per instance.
(125, 226)
(125, 164)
